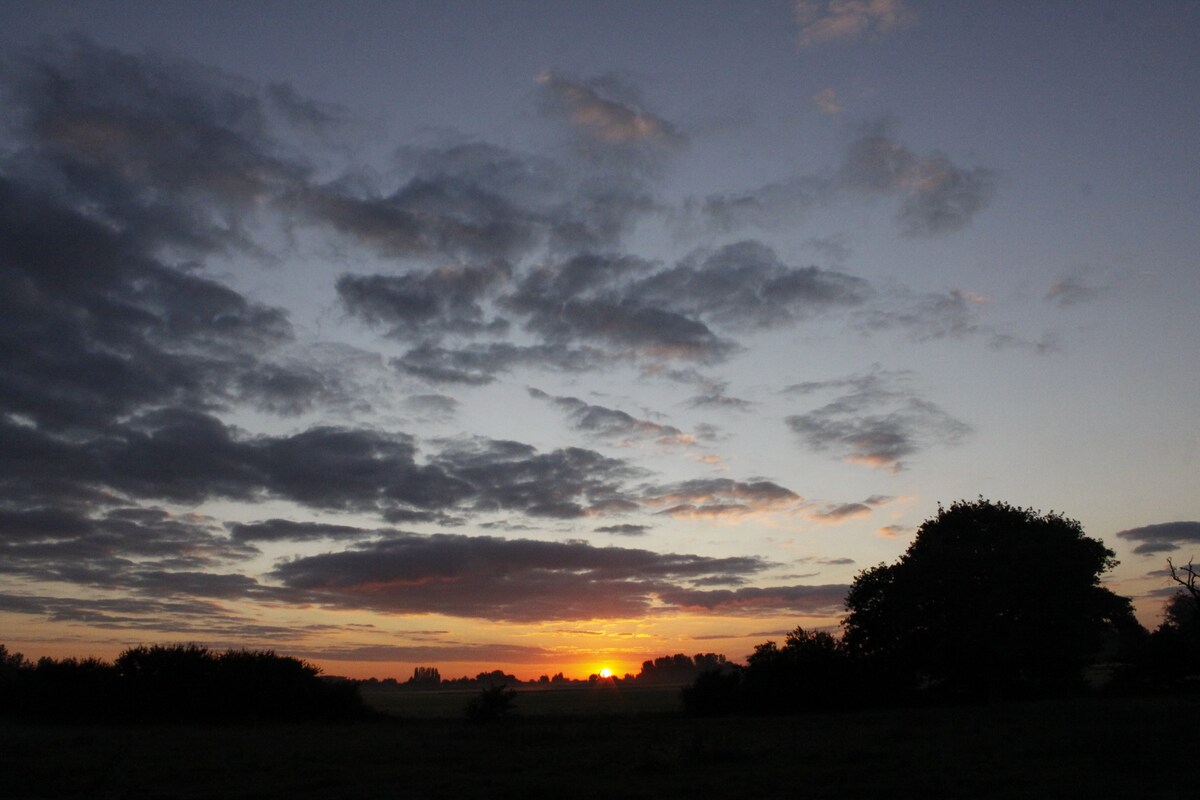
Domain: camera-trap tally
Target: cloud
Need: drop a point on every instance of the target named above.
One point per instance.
(432, 406)
(486, 653)
(624, 530)
(720, 497)
(590, 298)
(1165, 537)
(936, 196)
(658, 314)
(477, 365)
(822, 21)
(111, 548)
(606, 118)
(190, 457)
(845, 511)
(827, 101)
(818, 599)
(878, 421)
(498, 579)
(444, 301)
(609, 423)
(1072, 291)
(275, 530)
(746, 285)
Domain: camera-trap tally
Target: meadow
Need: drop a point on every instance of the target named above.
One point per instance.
(1085, 747)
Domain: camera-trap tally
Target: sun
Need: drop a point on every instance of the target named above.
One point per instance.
(605, 672)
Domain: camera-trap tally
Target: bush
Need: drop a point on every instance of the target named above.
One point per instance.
(492, 703)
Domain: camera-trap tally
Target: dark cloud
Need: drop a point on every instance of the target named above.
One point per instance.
(191, 457)
(821, 599)
(168, 152)
(445, 300)
(610, 423)
(56, 544)
(1165, 537)
(565, 483)
(274, 530)
(94, 328)
(478, 365)
(624, 530)
(745, 284)
(877, 421)
(498, 579)
(667, 313)
(720, 497)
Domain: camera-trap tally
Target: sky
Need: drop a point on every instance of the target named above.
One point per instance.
(550, 336)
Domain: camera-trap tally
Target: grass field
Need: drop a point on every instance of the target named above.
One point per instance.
(604, 700)
(1093, 748)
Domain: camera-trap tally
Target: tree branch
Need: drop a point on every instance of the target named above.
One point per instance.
(1188, 581)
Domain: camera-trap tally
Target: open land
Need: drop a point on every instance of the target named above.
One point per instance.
(1086, 747)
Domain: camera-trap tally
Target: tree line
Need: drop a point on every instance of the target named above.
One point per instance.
(990, 601)
(184, 683)
(673, 670)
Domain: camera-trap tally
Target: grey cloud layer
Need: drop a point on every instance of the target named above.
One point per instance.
(124, 178)
(514, 580)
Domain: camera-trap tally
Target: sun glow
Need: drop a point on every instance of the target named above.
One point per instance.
(605, 672)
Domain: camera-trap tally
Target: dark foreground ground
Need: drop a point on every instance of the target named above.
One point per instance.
(1094, 748)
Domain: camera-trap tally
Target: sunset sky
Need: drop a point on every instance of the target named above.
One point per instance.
(550, 336)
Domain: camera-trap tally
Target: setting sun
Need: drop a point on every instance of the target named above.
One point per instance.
(605, 672)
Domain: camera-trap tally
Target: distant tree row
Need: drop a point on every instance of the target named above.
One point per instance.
(173, 683)
(673, 670)
(989, 601)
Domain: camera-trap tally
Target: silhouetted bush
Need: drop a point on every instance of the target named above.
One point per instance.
(490, 704)
(715, 693)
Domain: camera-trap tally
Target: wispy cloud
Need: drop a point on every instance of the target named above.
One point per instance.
(592, 109)
(827, 101)
(822, 21)
(877, 420)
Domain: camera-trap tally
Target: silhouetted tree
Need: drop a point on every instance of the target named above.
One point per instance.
(1186, 577)
(1174, 647)
(426, 676)
(11, 664)
(988, 599)
(678, 668)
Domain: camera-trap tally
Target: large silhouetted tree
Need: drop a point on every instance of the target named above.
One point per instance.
(988, 599)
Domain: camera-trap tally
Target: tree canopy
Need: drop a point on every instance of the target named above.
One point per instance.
(988, 598)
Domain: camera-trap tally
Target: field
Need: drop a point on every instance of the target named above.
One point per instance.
(1094, 748)
(604, 700)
